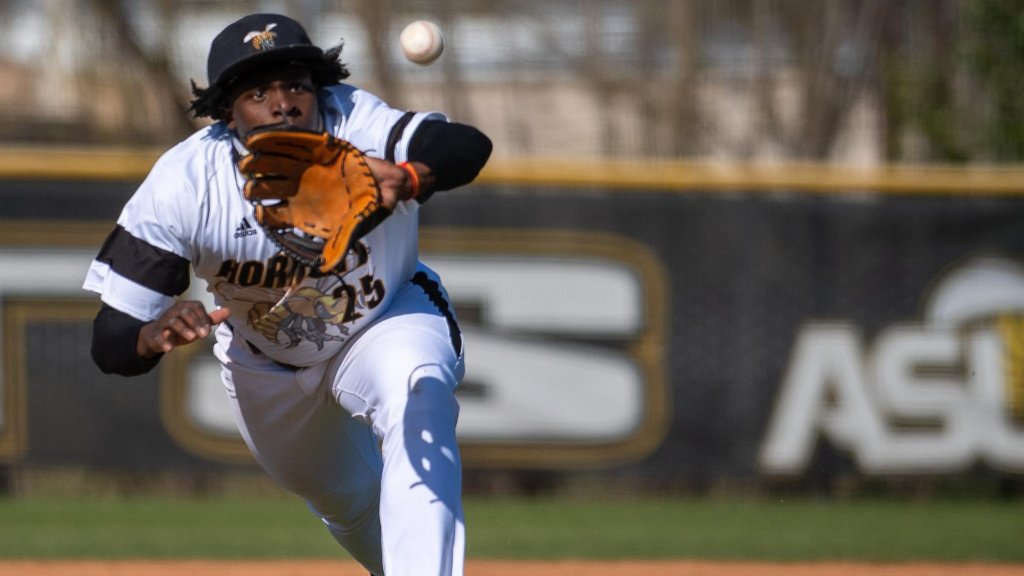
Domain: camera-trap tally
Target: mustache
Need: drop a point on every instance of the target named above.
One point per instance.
(284, 124)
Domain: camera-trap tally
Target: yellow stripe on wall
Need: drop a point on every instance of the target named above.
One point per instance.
(682, 176)
(75, 163)
(127, 164)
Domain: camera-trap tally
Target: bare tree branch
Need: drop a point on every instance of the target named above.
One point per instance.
(157, 66)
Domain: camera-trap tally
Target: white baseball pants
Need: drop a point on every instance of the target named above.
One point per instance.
(367, 438)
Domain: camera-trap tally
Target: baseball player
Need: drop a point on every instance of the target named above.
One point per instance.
(342, 383)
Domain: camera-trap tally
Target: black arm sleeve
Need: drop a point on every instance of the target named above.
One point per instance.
(114, 337)
(455, 152)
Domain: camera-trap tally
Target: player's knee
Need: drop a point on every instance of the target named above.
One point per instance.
(404, 360)
(428, 391)
(432, 389)
(401, 377)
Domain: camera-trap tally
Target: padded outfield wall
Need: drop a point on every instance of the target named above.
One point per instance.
(686, 322)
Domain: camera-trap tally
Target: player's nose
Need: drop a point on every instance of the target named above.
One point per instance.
(283, 103)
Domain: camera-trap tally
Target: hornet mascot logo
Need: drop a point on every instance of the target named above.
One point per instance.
(261, 40)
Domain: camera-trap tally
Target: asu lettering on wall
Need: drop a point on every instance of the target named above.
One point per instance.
(934, 396)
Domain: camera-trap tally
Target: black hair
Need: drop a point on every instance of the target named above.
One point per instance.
(212, 102)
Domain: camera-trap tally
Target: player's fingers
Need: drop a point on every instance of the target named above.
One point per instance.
(160, 341)
(219, 315)
(182, 323)
(182, 319)
(181, 328)
(198, 322)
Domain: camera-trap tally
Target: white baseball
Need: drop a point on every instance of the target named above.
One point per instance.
(422, 42)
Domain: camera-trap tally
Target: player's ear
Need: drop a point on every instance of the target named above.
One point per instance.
(228, 117)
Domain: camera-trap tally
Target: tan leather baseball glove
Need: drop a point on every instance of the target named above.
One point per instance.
(314, 193)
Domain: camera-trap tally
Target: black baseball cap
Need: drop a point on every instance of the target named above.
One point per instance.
(257, 40)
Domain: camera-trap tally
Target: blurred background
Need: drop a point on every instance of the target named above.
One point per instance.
(861, 81)
(723, 246)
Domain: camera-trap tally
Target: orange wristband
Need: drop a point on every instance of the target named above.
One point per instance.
(412, 176)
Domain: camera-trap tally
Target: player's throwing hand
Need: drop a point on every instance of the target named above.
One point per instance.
(183, 323)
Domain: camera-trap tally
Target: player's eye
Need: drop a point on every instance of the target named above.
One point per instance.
(299, 86)
(255, 95)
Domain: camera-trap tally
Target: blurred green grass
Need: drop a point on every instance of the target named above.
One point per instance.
(542, 528)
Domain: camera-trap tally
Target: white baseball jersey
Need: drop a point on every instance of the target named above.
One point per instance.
(190, 211)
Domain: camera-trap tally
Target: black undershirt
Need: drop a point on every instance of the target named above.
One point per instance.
(114, 339)
(454, 152)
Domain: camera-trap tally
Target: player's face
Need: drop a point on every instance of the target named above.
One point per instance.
(282, 96)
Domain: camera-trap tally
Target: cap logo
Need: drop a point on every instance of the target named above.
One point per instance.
(261, 40)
